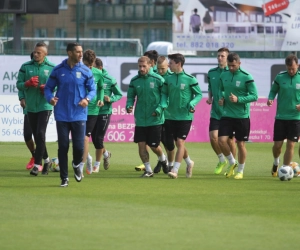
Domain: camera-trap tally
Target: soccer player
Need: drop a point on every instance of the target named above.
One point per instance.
(145, 92)
(164, 71)
(75, 88)
(31, 79)
(27, 132)
(112, 93)
(153, 55)
(183, 93)
(216, 109)
(237, 90)
(286, 86)
(94, 105)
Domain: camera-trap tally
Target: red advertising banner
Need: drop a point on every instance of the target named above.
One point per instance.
(275, 6)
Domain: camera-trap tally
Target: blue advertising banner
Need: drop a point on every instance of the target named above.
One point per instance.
(257, 25)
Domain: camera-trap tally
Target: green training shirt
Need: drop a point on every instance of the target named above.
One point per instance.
(112, 90)
(145, 92)
(155, 69)
(213, 87)
(166, 112)
(287, 89)
(183, 93)
(241, 84)
(35, 100)
(93, 108)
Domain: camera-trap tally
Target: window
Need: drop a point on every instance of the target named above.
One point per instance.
(231, 17)
(260, 29)
(154, 35)
(62, 4)
(279, 30)
(259, 18)
(120, 34)
(273, 19)
(242, 17)
(101, 33)
(252, 17)
(240, 29)
(237, 29)
(40, 32)
(221, 16)
(60, 33)
(269, 30)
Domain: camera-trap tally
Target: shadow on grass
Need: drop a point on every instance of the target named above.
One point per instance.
(30, 187)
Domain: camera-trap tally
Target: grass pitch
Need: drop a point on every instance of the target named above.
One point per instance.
(115, 209)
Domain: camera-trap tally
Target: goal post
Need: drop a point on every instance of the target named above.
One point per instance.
(57, 46)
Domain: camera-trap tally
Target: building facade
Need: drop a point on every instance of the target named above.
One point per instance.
(147, 20)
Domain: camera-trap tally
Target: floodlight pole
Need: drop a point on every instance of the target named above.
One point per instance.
(17, 33)
(77, 20)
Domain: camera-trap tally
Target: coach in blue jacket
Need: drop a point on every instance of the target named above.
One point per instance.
(75, 87)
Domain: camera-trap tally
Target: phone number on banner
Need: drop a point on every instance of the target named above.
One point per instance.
(195, 45)
(214, 41)
(12, 132)
(211, 45)
(119, 136)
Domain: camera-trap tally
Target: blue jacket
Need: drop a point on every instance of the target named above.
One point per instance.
(73, 85)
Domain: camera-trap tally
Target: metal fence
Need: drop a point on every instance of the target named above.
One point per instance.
(57, 46)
